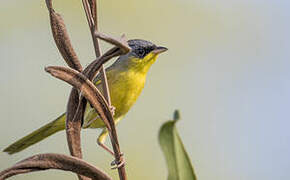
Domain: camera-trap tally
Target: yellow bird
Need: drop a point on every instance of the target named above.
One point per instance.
(126, 79)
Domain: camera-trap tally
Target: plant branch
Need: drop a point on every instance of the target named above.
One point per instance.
(93, 28)
(85, 87)
(93, 68)
(74, 117)
(122, 43)
(92, 21)
(92, 94)
(93, 5)
(75, 109)
(42, 162)
(76, 104)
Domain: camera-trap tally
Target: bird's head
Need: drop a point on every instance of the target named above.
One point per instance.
(142, 55)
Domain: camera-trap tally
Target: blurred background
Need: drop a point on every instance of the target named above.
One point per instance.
(227, 70)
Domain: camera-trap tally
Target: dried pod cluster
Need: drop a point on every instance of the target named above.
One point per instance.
(83, 90)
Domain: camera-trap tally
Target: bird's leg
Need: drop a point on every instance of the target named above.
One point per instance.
(112, 109)
(90, 122)
(101, 142)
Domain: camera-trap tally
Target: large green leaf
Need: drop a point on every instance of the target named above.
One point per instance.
(178, 162)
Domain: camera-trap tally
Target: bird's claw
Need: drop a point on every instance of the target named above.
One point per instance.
(118, 164)
(112, 109)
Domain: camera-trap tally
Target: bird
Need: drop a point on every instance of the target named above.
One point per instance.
(126, 79)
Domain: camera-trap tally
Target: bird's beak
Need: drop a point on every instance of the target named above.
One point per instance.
(159, 50)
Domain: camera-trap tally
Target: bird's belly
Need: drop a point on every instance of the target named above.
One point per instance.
(124, 92)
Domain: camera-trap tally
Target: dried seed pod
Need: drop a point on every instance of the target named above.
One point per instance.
(63, 42)
(86, 87)
(42, 162)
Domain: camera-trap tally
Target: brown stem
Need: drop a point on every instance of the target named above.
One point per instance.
(122, 43)
(93, 68)
(93, 28)
(93, 5)
(92, 94)
(86, 87)
(76, 104)
(75, 108)
(74, 113)
(42, 162)
(74, 116)
(111, 126)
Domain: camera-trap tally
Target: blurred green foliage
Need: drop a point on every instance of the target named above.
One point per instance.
(178, 162)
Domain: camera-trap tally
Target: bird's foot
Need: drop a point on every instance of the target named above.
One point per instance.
(112, 109)
(118, 164)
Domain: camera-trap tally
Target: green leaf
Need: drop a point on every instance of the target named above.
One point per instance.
(178, 162)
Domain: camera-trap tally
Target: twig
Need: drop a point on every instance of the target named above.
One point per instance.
(112, 129)
(93, 28)
(92, 94)
(75, 109)
(74, 118)
(76, 105)
(93, 5)
(86, 87)
(81, 80)
(42, 162)
(75, 112)
(122, 43)
(93, 68)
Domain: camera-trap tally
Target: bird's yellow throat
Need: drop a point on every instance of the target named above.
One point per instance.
(126, 81)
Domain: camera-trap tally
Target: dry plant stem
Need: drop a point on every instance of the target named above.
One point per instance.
(13, 172)
(90, 7)
(76, 108)
(86, 87)
(42, 162)
(91, 93)
(77, 105)
(112, 129)
(93, 68)
(63, 43)
(74, 117)
(74, 114)
(93, 27)
(93, 5)
(122, 43)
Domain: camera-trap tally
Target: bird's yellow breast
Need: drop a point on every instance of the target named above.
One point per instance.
(125, 87)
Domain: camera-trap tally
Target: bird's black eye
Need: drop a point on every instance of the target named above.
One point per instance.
(140, 52)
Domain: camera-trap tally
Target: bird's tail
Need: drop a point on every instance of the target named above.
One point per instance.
(37, 135)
